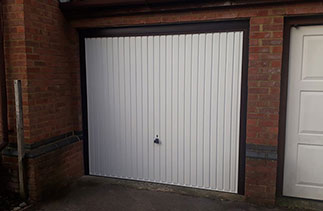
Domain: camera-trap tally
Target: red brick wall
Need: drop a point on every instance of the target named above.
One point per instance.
(50, 172)
(41, 49)
(52, 71)
(47, 173)
(15, 63)
(15, 56)
(9, 174)
(265, 61)
(16, 66)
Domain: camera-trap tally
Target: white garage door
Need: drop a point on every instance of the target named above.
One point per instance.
(303, 173)
(182, 89)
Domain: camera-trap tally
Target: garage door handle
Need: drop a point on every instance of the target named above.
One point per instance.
(157, 141)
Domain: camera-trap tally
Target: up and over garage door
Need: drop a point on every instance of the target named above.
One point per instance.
(165, 108)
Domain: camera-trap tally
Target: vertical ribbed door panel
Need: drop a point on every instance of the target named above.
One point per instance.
(185, 89)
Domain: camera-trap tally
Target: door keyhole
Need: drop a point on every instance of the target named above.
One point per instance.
(157, 141)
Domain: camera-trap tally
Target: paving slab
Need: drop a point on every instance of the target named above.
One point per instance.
(96, 193)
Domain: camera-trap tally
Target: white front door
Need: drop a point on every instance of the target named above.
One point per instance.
(303, 167)
(185, 89)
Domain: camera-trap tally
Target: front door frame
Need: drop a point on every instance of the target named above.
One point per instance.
(175, 28)
(288, 23)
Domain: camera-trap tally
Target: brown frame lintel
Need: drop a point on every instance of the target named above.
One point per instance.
(3, 84)
(109, 3)
(107, 8)
(178, 28)
(292, 21)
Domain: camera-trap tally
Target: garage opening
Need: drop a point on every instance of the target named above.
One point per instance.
(164, 104)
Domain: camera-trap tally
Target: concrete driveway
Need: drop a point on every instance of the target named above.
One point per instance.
(96, 193)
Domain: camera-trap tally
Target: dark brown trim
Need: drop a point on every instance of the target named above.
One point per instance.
(288, 23)
(108, 3)
(164, 29)
(3, 88)
(243, 112)
(107, 8)
(183, 28)
(84, 104)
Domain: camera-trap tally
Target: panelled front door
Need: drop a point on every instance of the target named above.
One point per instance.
(303, 173)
